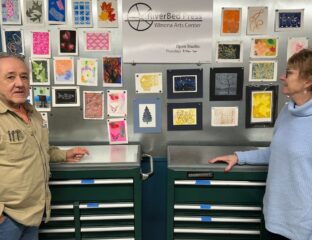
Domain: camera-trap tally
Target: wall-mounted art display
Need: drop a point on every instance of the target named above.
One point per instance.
(184, 116)
(97, 40)
(64, 70)
(148, 82)
(39, 71)
(147, 115)
(185, 83)
(93, 105)
(68, 43)
(257, 21)
(13, 41)
(41, 44)
(296, 44)
(263, 47)
(231, 21)
(107, 13)
(262, 71)
(224, 116)
(117, 130)
(65, 96)
(261, 105)
(288, 19)
(116, 103)
(226, 84)
(112, 71)
(33, 13)
(42, 98)
(87, 71)
(229, 51)
(82, 13)
(11, 12)
(57, 11)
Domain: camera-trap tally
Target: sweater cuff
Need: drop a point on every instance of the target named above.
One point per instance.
(241, 159)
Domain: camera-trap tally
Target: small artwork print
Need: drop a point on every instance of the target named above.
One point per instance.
(93, 105)
(97, 41)
(68, 44)
(56, 11)
(264, 48)
(229, 51)
(87, 71)
(117, 131)
(224, 116)
(40, 46)
(296, 44)
(45, 121)
(13, 41)
(263, 71)
(82, 13)
(257, 21)
(42, 98)
(33, 13)
(107, 13)
(148, 82)
(65, 96)
(289, 19)
(64, 70)
(39, 72)
(112, 72)
(231, 21)
(116, 103)
(11, 12)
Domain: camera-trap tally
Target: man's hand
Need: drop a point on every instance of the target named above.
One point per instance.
(2, 218)
(76, 154)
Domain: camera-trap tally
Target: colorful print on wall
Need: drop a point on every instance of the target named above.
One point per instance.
(231, 21)
(93, 105)
(112, 72)
(117, 130)
(148, 82)
(296, 44)
(41, 46)
(33, 13)
(116, 103)
(107, 13)
(13, 41)
(229, 51)
(288, 19)
(68, 43)
(262, 71)
(11, 12)
(42, 98)
(57, 11)
(97, 41)
(264, 47)
(82, 13)
(64, 70)
(257, 21)
(224, 116)
(87, 69)
(39, 71)
(65, 96)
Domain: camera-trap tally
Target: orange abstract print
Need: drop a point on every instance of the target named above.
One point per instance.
(231, 21)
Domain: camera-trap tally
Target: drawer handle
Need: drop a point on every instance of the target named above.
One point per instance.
(92, 181)
(217, 231)
(217, 219)
(217, 207)
(218, 183)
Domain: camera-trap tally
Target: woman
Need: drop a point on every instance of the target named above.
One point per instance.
(287, 203)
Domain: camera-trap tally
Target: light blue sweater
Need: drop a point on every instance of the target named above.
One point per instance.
(287, 203)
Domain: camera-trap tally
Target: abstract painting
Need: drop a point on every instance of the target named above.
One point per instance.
(263, 71)
(68, 44)
(229, 51)
(13, 41)
(40, 46)
(64, 70)
(97, 41)
(87, 69)
(289, 19)
(148, 82)
(57, 11)
(107, 13)
(257, 21)
(65, 96)
(82, 13)
(116, 103)
(296, 44)
(93, 105)
(39, 71)
(117, 130)
(264, 47)
(231, 21)
(11, 12)
(112, 72)
(33, 13)
(224, 116)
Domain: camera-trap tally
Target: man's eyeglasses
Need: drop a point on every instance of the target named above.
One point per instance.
(8, 54)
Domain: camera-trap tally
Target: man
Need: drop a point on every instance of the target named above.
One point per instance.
(24, 155)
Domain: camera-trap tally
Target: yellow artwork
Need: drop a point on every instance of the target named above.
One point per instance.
(184, 116)
(148, 82)
(261, 106)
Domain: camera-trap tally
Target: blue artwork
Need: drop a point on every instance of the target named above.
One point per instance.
(186, 83)
(14, 42)
(56, 11)
(82, 13)
(290, 19)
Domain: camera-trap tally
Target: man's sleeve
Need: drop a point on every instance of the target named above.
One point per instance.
(56, 154)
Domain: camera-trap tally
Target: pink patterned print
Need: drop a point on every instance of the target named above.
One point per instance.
(10, 8)
(97, 41)
(41, 43)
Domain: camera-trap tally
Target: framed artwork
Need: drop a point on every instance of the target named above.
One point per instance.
(107, 13)
(39, 71)
(261, 105)
(68, 43)
(296, 44)
(82, 13)
(33, 13)
(226, 84)
(116, 103)
(56, 11)
(185, 83)
(257, 21)
(117, 131)
(93, 105)
(42, 98)
(147, 115)
(148, 82)
(262, 71)
(224, 116)
(65, 96)
(288, 19)
(184, 116)
(64, 70)
(112, 71)
(13, 41)
(229, 51)
(97, 41)
(87, 69)
(11, 12)
(264, 47)
(40, 44)
(231, 21)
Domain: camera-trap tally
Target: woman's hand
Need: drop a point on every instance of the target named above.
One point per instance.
(231, 160)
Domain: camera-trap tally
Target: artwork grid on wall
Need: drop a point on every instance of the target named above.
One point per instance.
(148, 82)
(117, 130)
(39, 71)
(65, 96)
(226, 84)
(262, 71)
(264, 47)
(40, 44)
(257, 21)
(185, 83)
(97, 41)
(82, 13)
(87, 71)
(13, 40)
(93, 105)
(231, 21)
(184, 116)
(224, 116)
(289, 19)
(229, 51)
(296, 44)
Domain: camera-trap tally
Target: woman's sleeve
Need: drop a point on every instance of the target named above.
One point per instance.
(254, 157)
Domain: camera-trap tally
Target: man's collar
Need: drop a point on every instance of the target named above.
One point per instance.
(4, 108)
